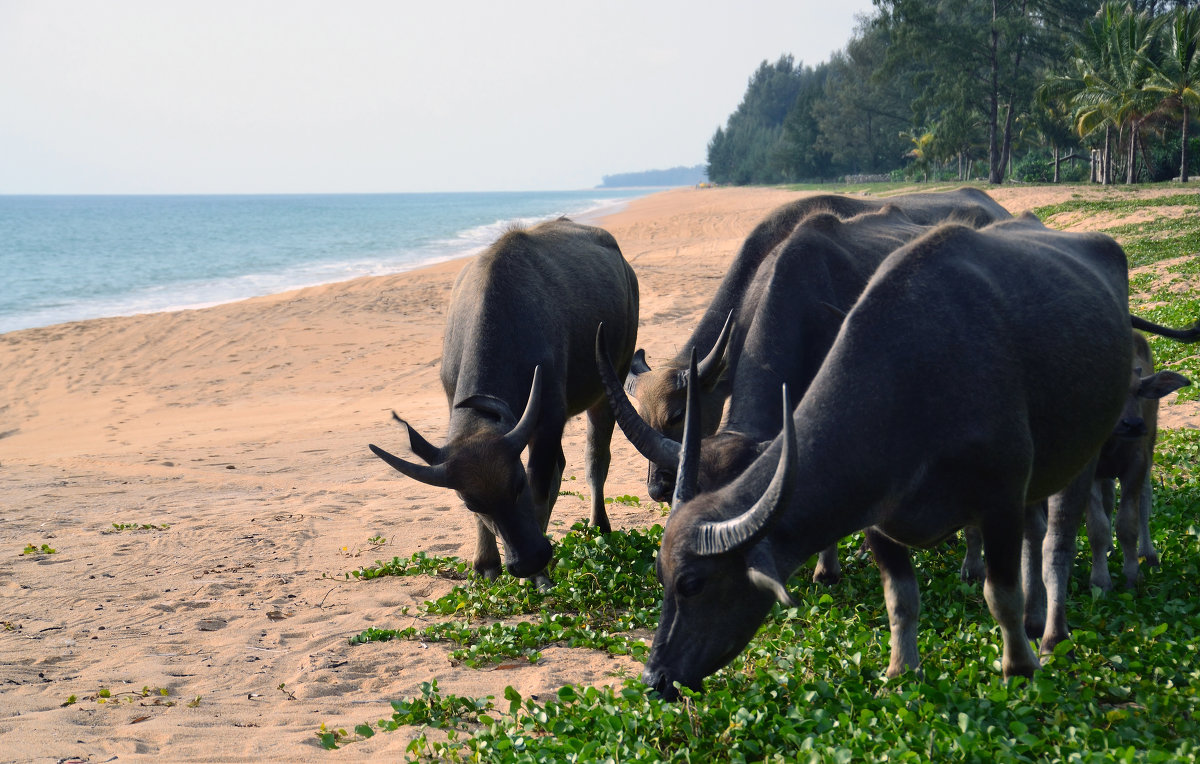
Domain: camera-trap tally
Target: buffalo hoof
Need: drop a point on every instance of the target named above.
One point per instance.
(488, 572)
(826, 576)
(1048, 644)
(1034, 628)
(543, 582)
(1101, 581)
(973, 571)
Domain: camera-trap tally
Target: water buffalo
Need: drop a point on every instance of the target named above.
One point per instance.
(979, 372)
(791, 313)
(527, 309)
(659, 392)
(1127, 456)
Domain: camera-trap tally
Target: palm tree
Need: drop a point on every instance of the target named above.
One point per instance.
(1112, 72)
(1176, 75)
(1088, 110)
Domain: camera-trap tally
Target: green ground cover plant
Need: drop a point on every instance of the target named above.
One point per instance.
(118, 527)
(811, 685)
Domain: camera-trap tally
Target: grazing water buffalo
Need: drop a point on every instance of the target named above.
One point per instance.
(1066, 509)
(660, 392)
(527, 309)
(979, 372)
(791, 313)
(1127, 456)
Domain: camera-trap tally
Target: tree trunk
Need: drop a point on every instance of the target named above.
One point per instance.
(1130, 170)
(995, 160)
(1055, 165)
(1183, 168)
(1106, 158)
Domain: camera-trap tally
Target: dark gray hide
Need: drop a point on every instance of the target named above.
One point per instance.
(659, 392)
(978, 373)
(532, 300)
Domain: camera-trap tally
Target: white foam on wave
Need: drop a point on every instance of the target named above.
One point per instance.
(208, 293)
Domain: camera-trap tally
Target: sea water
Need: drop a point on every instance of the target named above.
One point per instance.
(68, 258)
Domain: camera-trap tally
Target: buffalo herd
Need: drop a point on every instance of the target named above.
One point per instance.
(905, 367)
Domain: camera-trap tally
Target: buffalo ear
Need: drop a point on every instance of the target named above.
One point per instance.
(763, 573)
(1159, 384)
(489, 404)
(834, 310)
(430, 453)
(637, 367)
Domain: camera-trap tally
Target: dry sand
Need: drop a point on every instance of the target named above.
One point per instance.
(243, 428)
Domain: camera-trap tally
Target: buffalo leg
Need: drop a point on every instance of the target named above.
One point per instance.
(545, 469)
(546, 463)
(487, 555)
(1130, 527)
(1002, 541)
(903, 600)
(829, 567)
(1099, 530)
(1065, 512)
(1031, 570)
(1146, 550)
(972, 565)
(599, 455)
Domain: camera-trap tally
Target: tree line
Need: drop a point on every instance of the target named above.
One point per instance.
(1029, 90)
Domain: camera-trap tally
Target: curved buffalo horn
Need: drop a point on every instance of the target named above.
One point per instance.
(436, 475)
(687, 479)
(1182, 335)
(519, 436)
(649, 442)
(729, 535)
(714, 363)
(421, 447)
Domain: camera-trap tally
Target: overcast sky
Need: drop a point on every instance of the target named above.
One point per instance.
(218, 96)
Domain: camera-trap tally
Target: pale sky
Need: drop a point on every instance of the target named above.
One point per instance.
(294, 96)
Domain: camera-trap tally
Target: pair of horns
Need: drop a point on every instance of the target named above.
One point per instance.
(649, 442)
(436, 472)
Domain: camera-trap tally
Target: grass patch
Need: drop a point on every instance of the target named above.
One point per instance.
(810, 687)
(604, 587)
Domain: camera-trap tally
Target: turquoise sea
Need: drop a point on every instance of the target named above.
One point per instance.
(67, 258)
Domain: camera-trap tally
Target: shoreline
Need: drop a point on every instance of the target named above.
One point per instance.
(197, 292)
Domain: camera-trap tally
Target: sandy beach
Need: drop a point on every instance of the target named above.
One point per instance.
(242, 429)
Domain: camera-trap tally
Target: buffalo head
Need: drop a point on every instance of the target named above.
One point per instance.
(718, 572)
(1132, 423)
(483, 465)
(656, 425)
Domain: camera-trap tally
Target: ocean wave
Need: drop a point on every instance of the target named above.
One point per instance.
(52, 306)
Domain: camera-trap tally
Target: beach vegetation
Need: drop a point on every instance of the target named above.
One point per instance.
(373, 543)
(811, 686)
(147, 696)
(118, 527)
(34, 549)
